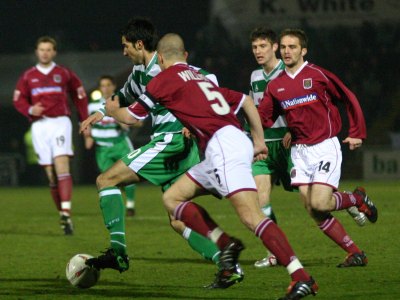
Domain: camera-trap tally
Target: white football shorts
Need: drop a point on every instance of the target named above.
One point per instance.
(52, 137)
(226, 168)
(319, 163)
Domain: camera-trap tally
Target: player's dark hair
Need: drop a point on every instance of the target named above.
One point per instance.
(300, 34)
(108, 77)
(141, 29)
(263, 32)
(46, 39)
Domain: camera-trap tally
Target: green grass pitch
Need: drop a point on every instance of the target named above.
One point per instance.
(34, 252)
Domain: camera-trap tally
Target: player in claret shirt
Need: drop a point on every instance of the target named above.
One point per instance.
(209, 112)
(42, 96)
(307, 95)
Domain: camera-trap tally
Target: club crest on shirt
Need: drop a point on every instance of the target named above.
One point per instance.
(307, 83)
(57, 78)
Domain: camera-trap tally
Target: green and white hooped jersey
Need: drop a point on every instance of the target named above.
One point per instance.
(107, 132)
(258, 83)
(162, 120)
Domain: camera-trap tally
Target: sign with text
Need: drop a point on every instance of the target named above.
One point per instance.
(381, 164)
(239, 16)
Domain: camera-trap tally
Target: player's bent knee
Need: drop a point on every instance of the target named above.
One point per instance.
(169, 202)
(101, 182)
(319, 207)
(319, 216)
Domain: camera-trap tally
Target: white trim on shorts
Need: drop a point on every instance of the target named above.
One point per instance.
(147, 156)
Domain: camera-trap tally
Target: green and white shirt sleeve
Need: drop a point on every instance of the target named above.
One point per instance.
(107, 132)
(258, 83)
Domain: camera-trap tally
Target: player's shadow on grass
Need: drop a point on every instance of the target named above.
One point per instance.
(61, 287)
(166, 260)
(317, 262)
(328, 261)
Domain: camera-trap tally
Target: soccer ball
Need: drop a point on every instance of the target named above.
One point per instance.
(79, 274)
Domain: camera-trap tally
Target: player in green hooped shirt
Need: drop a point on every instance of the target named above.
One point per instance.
(111, 138)
(278, 164)
(155, 162)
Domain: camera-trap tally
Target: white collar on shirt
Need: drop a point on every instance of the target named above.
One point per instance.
(298, 70)
(46, 70)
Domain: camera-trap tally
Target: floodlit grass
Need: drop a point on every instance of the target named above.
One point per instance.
(34, 252)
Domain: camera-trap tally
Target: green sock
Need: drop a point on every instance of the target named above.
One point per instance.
(113, 210)
(202, 245)
(130, 195)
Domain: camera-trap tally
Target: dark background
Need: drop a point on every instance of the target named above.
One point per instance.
(92, 25)
(365, 57)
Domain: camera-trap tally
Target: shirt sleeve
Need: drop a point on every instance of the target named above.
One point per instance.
(138, 111)
(266, 109)
(154, 91)
(122, 99)
(78, 96)
(233, 98)
(357, 126)
(251, 94)
(21, 97)
(213, 79)
(125, 94)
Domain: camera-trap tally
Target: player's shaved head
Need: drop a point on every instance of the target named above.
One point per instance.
(171, 46)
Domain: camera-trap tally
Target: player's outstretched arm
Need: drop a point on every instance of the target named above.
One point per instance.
(257, 133)
(92, 119)
(120, 114)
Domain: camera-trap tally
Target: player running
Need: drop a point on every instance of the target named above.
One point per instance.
(41, 95)
(307, 95)
(277, 166)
